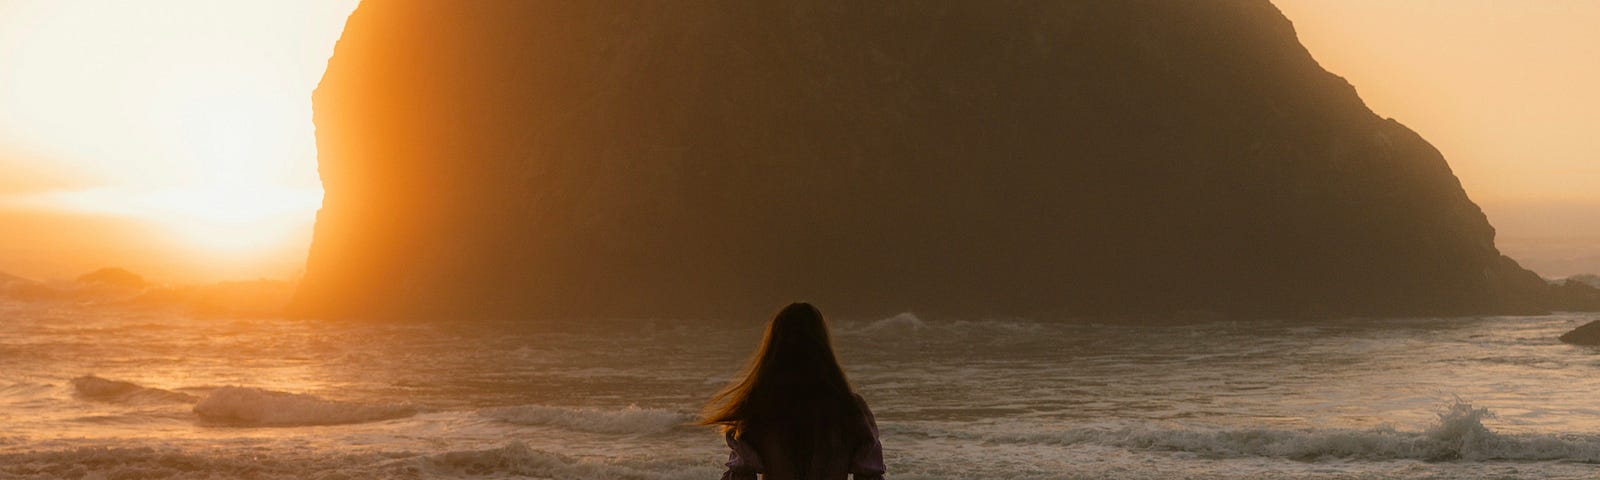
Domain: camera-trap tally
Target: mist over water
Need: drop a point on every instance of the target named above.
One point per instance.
(91, 393)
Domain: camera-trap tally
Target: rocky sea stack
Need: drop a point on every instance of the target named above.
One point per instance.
(1587, 334)
(716, 158)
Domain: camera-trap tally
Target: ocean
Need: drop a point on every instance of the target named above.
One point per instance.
(120, 393)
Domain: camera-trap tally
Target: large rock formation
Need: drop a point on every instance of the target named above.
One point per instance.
(712, 158)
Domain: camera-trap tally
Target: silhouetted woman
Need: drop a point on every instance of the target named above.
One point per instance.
(793, 415)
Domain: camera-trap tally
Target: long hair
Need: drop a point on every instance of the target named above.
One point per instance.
(792, 391)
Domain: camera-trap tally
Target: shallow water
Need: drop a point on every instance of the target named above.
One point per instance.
(104, 393)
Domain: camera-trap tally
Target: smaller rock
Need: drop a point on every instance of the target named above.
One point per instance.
(1574, 296)
(8, 279)
(1589, 279)
(115, 277)
(1588, 334)
(12, 286)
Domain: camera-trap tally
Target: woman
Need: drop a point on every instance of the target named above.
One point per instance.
(793, 415)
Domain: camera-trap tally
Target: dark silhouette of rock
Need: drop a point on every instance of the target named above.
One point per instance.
(1588, 334)
(719, 158)
(1574, 294)
(1586, 279)
(113, 277)
(18, 288)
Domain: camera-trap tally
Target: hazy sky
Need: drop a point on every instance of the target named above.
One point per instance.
(170, 136)
(1505, 89)
(174, 136)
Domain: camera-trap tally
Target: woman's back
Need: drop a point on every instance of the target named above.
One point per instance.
(833, 454)
(793, 414)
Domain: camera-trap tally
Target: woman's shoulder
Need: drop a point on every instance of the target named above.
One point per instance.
(861, 404)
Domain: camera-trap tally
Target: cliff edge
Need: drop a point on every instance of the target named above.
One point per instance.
(714, 158)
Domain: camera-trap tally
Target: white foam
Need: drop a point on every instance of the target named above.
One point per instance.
(1458, 435)
(256, 407)
(902, 322)
(627, 420)
(908, 323)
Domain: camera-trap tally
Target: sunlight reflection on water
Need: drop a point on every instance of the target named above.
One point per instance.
(957, 399)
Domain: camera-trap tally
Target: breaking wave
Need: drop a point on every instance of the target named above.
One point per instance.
(95, 388)
(904, 322)
(1459, 435)
(908, 323)
(245, 406)
(628, 420)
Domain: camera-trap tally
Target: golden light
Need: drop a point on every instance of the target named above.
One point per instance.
(190, 115)
(194, 116)
(1503, 89)
(238, 219)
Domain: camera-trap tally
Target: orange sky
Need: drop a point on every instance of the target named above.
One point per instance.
(1505, 89)
(174, 136)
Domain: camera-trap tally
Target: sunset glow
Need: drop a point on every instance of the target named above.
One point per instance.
(590, 240)
(193, 117)
(230, 220)
(1503, 89)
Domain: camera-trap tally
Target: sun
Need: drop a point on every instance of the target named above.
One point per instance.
(218, 220)
(232, 221)
(192, 117)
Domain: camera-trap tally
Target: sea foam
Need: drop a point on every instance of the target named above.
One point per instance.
(627, 420)
(1459, 435)
(908, 323)
(247, 406)
(901, 323)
